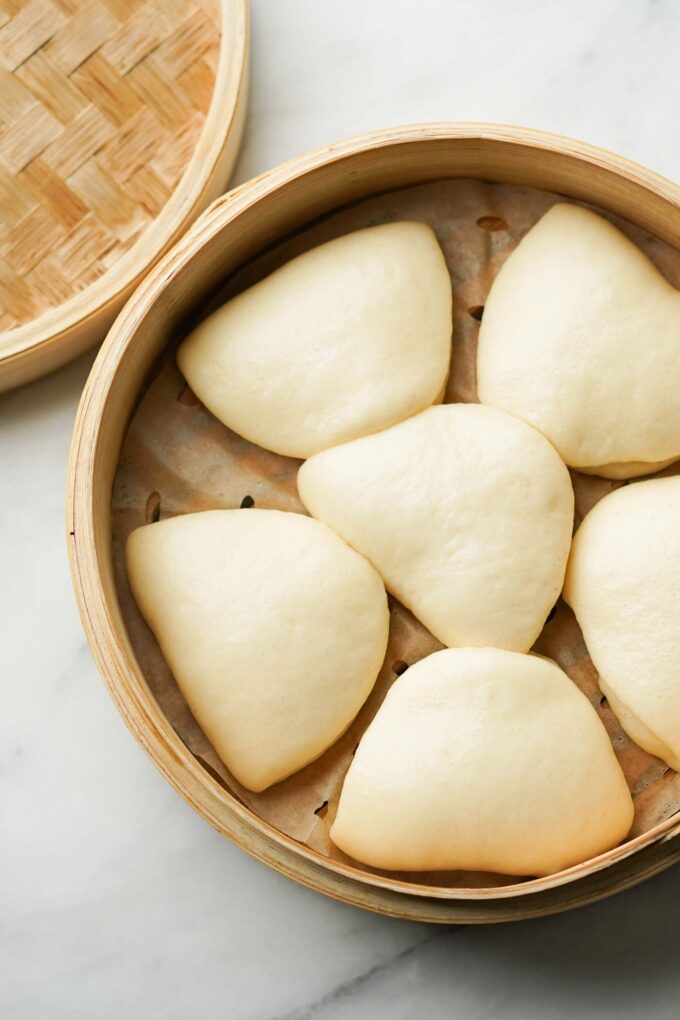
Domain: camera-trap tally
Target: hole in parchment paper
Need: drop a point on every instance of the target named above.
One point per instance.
(476, 311)
(187, 396)
(399, 666)
(603, 701)
(492, 223)
(322, 810)
(247, 502)
(153, 508)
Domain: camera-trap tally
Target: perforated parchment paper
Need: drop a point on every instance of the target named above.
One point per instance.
(178, 458)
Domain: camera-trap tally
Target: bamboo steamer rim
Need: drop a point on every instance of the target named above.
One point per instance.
(89, 542)
(68, 329)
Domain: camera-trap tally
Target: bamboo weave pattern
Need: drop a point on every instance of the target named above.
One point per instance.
(101, 106)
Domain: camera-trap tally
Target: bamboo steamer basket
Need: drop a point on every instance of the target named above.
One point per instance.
(235, 229)
(120, 120)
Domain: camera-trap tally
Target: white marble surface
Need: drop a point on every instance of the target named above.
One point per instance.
(116, 901)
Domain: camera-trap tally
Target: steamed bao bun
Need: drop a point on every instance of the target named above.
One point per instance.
(274, 629)
(483, 760)
(623, 583)
(340, 342)
(466, 512)
(580, 338)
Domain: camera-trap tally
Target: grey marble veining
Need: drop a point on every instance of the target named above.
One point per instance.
(116, 900)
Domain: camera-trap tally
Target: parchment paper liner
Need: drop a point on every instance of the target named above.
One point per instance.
(178, 458)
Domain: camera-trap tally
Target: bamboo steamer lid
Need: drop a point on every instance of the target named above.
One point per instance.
(120, 121)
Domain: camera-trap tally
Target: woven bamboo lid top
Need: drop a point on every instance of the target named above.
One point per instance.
(102, 104)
